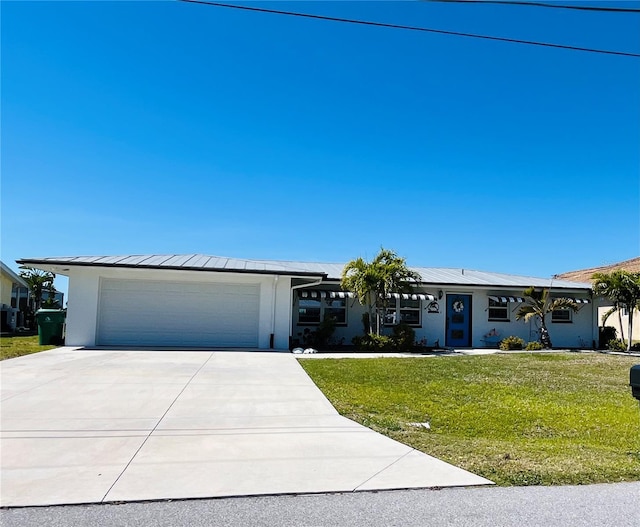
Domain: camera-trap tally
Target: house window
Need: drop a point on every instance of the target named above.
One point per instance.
(561, 315)
(498, 311)
(409, 312)
(336, 308)
(312, 311)
(309, 311)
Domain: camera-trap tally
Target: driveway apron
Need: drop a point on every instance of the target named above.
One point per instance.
(89, 426)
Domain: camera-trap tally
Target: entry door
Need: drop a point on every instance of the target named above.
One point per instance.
(458, 321)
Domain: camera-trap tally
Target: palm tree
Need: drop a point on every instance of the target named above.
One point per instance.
(39, 282)
(359, 278)
(623, 289)
(539, 304)
(372, 282)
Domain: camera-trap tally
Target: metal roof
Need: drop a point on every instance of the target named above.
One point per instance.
(328, 271)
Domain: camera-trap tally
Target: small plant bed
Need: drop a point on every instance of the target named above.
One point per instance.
(16, 346)
(533, 419)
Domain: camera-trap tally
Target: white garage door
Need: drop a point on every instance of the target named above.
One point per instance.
(159, 313)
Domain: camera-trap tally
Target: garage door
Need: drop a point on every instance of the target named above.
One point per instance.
(159, 313)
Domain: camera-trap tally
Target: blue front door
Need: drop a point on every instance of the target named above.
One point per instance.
(458, 321)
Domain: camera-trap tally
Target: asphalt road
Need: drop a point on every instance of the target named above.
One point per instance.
(613, 505)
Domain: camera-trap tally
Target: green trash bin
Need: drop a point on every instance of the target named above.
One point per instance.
(50, 326)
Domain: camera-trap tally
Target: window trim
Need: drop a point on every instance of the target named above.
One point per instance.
(502, 305)
(325, 306)
(568, 320)
(394, 307)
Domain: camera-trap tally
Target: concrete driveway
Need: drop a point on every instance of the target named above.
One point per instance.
(89, 426)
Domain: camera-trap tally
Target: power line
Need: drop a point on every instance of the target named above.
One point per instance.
(542, 4)
(411, 28)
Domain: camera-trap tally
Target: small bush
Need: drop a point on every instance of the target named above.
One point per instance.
(605, 334)
(617, 345)
(373, 342)
(511, 343)
(321, 337)
(404, 337)
(534, 346)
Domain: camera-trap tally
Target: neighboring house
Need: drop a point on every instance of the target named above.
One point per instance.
(584, 275)
(10, 283)
(208, 301)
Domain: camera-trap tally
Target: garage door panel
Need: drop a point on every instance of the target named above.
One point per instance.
(157, 313)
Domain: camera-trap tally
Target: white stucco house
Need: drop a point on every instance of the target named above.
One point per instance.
(195, 300)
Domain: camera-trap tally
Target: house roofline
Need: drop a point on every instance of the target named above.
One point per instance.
(14, 277)
(67, 265)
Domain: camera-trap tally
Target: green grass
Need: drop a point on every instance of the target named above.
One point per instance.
(11, 347)
(525, 419)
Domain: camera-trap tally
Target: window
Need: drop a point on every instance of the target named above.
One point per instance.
(561, 315)
(498, 311)
(309, 311)
(409, 312)
(336, 308)
(312, 311)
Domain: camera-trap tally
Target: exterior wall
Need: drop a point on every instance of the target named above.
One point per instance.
(275, 311)
(6, 285)
(82, 307)
(580, 332)
(10, 316)
(614, 321)
(84, 294)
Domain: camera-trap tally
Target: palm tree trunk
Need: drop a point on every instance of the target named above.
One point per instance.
(545, 339)
(373, 322)
(620, 323)
(630, 311)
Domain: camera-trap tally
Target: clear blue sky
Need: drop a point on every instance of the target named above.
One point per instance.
(166, 127)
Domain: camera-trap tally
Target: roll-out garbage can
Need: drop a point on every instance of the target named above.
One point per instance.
(50, 326)
(634, 381)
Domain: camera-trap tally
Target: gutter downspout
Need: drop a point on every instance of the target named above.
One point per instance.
(272, 337)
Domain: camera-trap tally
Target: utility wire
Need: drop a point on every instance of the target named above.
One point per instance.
(542, 4)
(411, 28)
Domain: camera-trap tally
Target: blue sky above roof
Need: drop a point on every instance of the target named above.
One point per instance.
(165, 127)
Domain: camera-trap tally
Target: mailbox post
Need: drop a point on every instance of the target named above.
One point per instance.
(634, 381)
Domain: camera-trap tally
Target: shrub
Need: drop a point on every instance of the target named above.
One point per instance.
(511, 343)
(372, 342)
(534, 346)
(617, 345)
(605, 334)
(404, 337)
(320, 338)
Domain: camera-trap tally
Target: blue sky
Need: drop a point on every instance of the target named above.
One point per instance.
(166, 127)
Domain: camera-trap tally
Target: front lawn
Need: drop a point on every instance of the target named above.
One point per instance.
(525, 419)
(11, 347)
